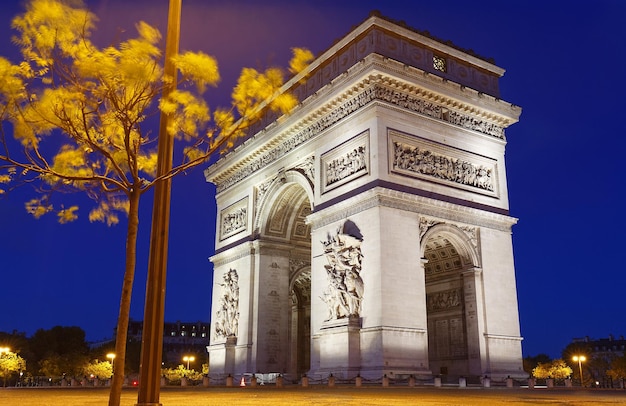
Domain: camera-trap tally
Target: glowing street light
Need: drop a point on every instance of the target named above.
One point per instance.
(189, 359)
(580, 359)
(111, 356)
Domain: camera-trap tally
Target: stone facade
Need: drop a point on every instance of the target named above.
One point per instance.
(368, 231)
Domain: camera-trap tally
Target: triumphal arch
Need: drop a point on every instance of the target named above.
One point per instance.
(368, 232)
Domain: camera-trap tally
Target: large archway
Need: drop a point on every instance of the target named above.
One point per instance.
(283, 223)
(450, 302)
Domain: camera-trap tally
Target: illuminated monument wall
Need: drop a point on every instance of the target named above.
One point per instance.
(369, 232)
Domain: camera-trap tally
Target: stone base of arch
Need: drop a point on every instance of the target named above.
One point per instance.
(339, 348)
(223, 356)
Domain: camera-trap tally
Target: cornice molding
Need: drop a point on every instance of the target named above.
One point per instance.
(424, 206)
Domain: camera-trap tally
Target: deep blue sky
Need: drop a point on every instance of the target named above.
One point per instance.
(564, 65)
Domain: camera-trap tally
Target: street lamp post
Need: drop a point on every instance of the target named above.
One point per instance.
(580, 359)
(111, 356)
(189, 359)
(154, 309)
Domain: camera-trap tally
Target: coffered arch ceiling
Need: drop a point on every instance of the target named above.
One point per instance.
(443, 256)
(286, 219)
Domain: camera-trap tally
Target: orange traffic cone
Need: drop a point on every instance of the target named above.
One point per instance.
(243, 382)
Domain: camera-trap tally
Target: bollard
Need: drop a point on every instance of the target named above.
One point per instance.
(550, 383)
(568, 383)
(437, 382)
(205, 381)
(163, 381)
(385, 381)
(253, 381)
(462, 382)
(531, 383)
(509, 382)
(305, 381)
(486, 382)
(279, 381)
(358, 381)
(183, 381)
(229, 380)
(331, 381)
(411, 381)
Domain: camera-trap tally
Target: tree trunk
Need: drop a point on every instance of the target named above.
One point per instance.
(127, 290)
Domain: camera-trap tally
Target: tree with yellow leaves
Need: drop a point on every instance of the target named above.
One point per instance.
(556, 369)
(10, 363)
(79, 120)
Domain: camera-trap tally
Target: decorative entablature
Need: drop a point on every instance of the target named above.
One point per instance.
(375, 87)
(462, 216)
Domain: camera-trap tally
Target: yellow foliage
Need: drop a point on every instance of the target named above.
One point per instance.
(106, 211)
(194, 153)
(199, 68)
(284, 102)
(148, 163)
(50, 25)
(94, 100)
(302, 57)
(37, 208)
(557, 369)
(11, 84)
(67, 215)
(187, 114)
(71, 162)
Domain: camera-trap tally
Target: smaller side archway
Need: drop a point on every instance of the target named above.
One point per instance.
(284, 261)
(453, 340)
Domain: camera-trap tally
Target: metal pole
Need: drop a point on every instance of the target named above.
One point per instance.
(154, 311)
(580, 368)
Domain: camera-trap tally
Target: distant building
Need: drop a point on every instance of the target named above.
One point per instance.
(605, 348)
(601, 353)
(179, 339)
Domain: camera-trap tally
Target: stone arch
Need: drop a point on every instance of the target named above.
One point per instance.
(282, 230)
(451, 258)
(286, 182)
(466, 246)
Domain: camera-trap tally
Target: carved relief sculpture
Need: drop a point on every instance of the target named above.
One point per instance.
(445, 300)
(234, 219)
(344, 292)
(422, 161)
(227, 315)
(345, 162)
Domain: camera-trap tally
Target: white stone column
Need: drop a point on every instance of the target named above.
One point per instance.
(474, 319)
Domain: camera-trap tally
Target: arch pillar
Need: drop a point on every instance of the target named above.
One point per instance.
(474, 318)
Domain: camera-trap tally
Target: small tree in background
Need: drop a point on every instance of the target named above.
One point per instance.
(10, 363)
(59, 351)
(99, 369)
(617, 370)
(556, 369)
(78, 114)
(530, 363)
